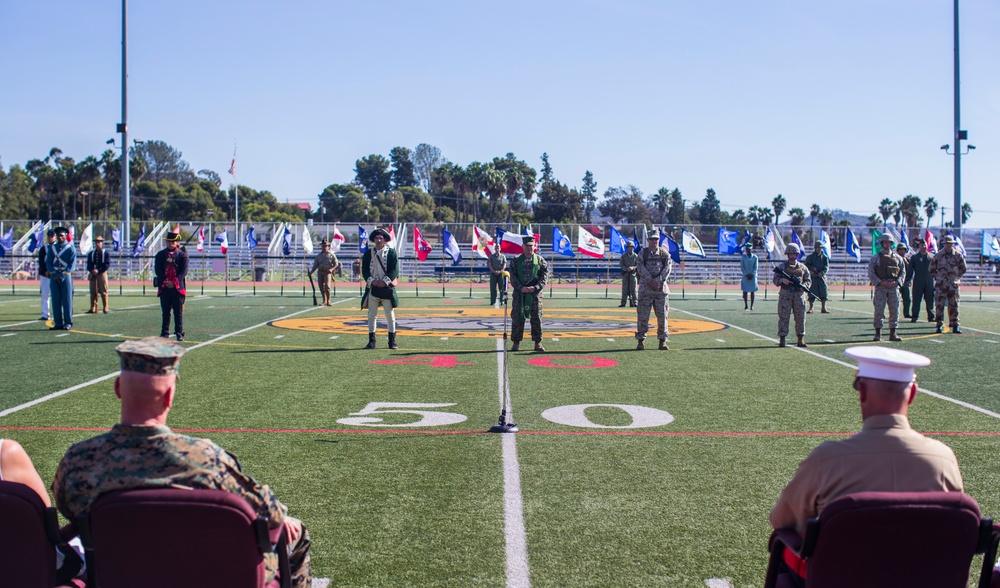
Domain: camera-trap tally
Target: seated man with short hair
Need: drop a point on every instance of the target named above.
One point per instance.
(142, 452)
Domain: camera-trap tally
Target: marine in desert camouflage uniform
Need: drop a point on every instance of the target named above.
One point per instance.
(947, 267)
(142, 452)
(654, 269)
(791, 299)
(629, 263)
(886, 272)
(325, 264)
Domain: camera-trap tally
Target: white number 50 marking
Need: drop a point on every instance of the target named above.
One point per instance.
(429, 418)
(574, 415)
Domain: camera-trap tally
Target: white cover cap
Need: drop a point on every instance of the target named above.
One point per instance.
(884, 363)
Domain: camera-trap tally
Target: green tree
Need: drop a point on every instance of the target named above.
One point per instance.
(589, 193)
(373, 175)
(346, 203)
(966, 212)
(661, 203)
(402, 167)
(798, 217)
(519, 182)
(709, 212)
(813, 214)
(676, 215)
(909, 208)
(163, 162)
(624, 205)
(886, 208)
(547, 175)
(557, 203)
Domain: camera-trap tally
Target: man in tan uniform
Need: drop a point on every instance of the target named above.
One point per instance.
(326, 263)
(886, 456)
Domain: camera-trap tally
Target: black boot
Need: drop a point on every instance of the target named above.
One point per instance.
(392, 341)
(371, 341)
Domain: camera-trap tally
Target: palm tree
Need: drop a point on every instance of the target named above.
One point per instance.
(966, 212)
(798, 217)
(872, 221)
(909, 206)
(661, 200)
(753, 215)
(495, 185)
(779, 204)
(930, 207)
(813, 213)
(766, 216)
(886, 208)
(825, 218)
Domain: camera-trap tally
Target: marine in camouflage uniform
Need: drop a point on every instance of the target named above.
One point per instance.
(654, 269)
(325, 263)
(923, 282)
(497, 263)
(791, 299)
(139, 455)
(886, 272)
(947, 267)
(528, 271)
(629, 263)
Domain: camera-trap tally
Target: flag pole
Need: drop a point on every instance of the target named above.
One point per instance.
(845, 274)
(442, 265)
(225, 256)
(577, 264)
(472, 264)
(552, 274)
(767, 272)
(716, 295)
(607, 276)
(281, 289)
(121, 268)
(253, 266)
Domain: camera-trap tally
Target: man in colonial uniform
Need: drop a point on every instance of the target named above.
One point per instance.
(629, 263)
(947, 267)
(142, 452)
(170, 266)
(497, 263)
(380, 270)
(60, 261)
(818, 264)
(326, 263)
(98, 262)
(653, 269)
(528, 274)
(886, 272)
(791, 298)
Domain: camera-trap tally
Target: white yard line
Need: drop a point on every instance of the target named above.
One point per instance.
(844, 363)
(515, 535)
(48, 397)
(79, 314)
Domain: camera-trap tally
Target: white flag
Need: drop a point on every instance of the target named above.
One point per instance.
(588, 244)
(87, 240)
(307, 242)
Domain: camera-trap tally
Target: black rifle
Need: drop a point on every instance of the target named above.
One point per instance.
(313, 287)
(796, 283)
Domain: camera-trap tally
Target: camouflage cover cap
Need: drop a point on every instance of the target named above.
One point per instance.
(818, 244)
(901, 246)
(155, 356)
(654, 235)
(947, 239)
(885, 237)
(792, 248)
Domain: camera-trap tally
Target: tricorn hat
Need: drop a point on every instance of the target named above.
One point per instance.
(380, 231)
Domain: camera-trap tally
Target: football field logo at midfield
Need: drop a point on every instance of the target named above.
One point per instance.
(488, 322)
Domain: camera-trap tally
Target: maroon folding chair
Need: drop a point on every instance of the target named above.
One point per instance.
(164, 538)
(28, 538)
(878, 539)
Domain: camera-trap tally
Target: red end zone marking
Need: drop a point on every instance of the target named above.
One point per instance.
(456, 432)
(595, 362)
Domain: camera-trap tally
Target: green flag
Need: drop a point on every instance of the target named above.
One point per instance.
(876, 234)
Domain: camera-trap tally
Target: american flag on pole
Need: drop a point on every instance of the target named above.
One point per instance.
(232, 168)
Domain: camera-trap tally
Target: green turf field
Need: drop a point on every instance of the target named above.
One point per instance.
(670, 485)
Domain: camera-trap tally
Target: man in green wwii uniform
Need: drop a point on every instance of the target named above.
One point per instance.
(326, 263)
(497, 263)
(142, 452)
(818, 264)
(629, 263)
(886, 272)
(528, 274)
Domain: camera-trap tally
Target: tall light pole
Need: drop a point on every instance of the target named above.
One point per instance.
(123, 129)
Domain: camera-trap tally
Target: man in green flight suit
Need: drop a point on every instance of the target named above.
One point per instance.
(630, 264)
(528, 274)
(497, 263)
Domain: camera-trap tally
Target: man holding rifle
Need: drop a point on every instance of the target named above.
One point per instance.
(528, 273)
(793, 279)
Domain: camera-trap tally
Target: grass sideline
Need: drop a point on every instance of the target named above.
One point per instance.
(674, 504)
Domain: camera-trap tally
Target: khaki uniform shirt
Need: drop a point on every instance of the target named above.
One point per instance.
(886, 456)
(326, 261)
(497, 262)
(629, 262)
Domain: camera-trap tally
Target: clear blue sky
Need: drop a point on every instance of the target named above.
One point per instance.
(839, 103)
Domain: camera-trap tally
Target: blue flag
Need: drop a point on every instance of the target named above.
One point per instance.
(747, 238)
(635, 239)
(7, 242)
(451, 247)
(252, 238)
(853, 248)
(797, 241)
(116, 239)
(34, 242)
(824, 239)
(362, 239)
(672, 247)
(902, 239)
(617, 242)
(561, 243)
(727, 242)
(958, 243)
(991, 246)
(286, 242)
(140, 242)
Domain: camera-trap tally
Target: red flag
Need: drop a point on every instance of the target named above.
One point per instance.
(931, 241)
(232, 168)
(420, 245)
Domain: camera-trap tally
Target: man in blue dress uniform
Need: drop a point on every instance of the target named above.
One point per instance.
(60, 261)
